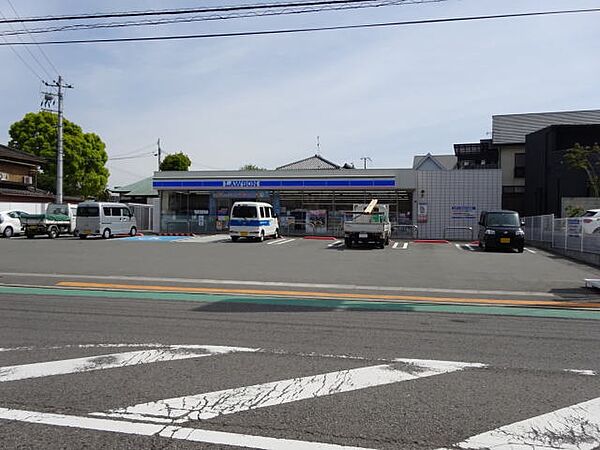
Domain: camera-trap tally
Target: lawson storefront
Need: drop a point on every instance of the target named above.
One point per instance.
(307, 201)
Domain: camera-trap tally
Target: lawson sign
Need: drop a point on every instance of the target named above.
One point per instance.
(273, 183)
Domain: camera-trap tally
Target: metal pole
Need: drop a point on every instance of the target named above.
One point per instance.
(159, 153)
(59, 146)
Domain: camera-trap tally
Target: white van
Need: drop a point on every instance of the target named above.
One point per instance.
(104, 219)
(255, 220)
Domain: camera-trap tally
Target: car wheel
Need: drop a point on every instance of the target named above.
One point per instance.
(520, 249)
(82, 236)
(133, 231)
(8, 232)
(106, 234)
(348, 243)
(277, 235)
(53, 233)
(235, 238)
(30, 236)
(262, 236)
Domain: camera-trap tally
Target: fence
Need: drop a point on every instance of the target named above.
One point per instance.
(576, 234)
(143, 216)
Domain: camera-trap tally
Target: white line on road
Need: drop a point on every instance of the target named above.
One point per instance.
(405, 246)
(285, 241)
(204, 239)
(231, 401)
(350, 287)
(170, 432)
(112, 361)
(335, 243)
(590, 373)
(529, 250)
(470, 247)
(576, 427)
(395, 244)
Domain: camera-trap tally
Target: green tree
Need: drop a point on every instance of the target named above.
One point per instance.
(586, 158)
(85, 155)
(251, 167)
(176, 161)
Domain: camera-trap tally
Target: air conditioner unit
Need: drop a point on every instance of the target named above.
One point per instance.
(27, 180)
(3, 176)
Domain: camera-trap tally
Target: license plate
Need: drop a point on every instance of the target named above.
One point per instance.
(363, 235)
(244, 233)
(505, 240)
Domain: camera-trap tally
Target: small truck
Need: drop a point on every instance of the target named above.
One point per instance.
(58, 219)
(367, 224)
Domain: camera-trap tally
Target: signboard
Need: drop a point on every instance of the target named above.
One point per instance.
(463, 212)
(276, 183)
(201, 221)
(316, 221)
(574, 227)
(422, 211)
(241, 183)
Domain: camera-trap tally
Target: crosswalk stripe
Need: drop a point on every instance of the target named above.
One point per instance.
(231, 401)
(575, 427)
(170, 432)
(111, 361)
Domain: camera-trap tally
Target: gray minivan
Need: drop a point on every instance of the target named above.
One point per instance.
(104, 219)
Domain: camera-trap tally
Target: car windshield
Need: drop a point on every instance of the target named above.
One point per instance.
(503, 220)
(58, 209)
(88, 211)
(590, 214)
(244, 211)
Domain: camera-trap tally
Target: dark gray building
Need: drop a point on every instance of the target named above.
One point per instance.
(548, 178)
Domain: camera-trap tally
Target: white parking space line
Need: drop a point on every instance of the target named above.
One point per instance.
(111, 361)
(576, 427)
(169, 432)
(470, 247)
(405, 246)
(231, 401)
(529, 250)
(284, 241)
(275, 241)
(395, 245)
(335, 243)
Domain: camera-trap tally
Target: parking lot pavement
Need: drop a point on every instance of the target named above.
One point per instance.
(292, 260)
(107, 373)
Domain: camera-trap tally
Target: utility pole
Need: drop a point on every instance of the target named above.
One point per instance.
(364, 159)
(59, 141)
(318, 146)
(158, 153)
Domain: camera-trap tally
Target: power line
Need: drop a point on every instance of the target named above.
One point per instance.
(141, 155)
(182, 11)
(22, 42)
(223, 16)
(309, 29)
(33, 39)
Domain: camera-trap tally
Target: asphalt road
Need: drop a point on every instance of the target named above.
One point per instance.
(395, 377)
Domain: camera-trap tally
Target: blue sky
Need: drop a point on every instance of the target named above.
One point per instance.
(387, 93)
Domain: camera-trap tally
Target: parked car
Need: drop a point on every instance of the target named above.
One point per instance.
(58, 219)
(104, 219)
(501, 229)
(591, 221)
(253, 220)
(10, 223)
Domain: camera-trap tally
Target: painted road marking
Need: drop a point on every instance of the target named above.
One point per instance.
(351, 287)
(112, 361)
(405, 246)
(169, 432)
(204, 239)
(395, 244)
(231, 401)
(576, 427)
(529, 250)
(285, 241)
(335, 243)
(470, 247)
(332, 295)
(590, 373)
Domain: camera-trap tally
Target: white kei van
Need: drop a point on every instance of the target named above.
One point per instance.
(254, 220)
(104, 219)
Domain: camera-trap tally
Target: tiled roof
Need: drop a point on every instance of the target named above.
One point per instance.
(142, 188)
(447, 162)
(312, 162)
(32, 192)
(512, 128)
(18, 155)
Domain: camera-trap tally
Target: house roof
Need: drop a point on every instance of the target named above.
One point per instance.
(19, 156)
(513, 128)
(442, 162)
(142, 188)
(30, 193)
(312, 162)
